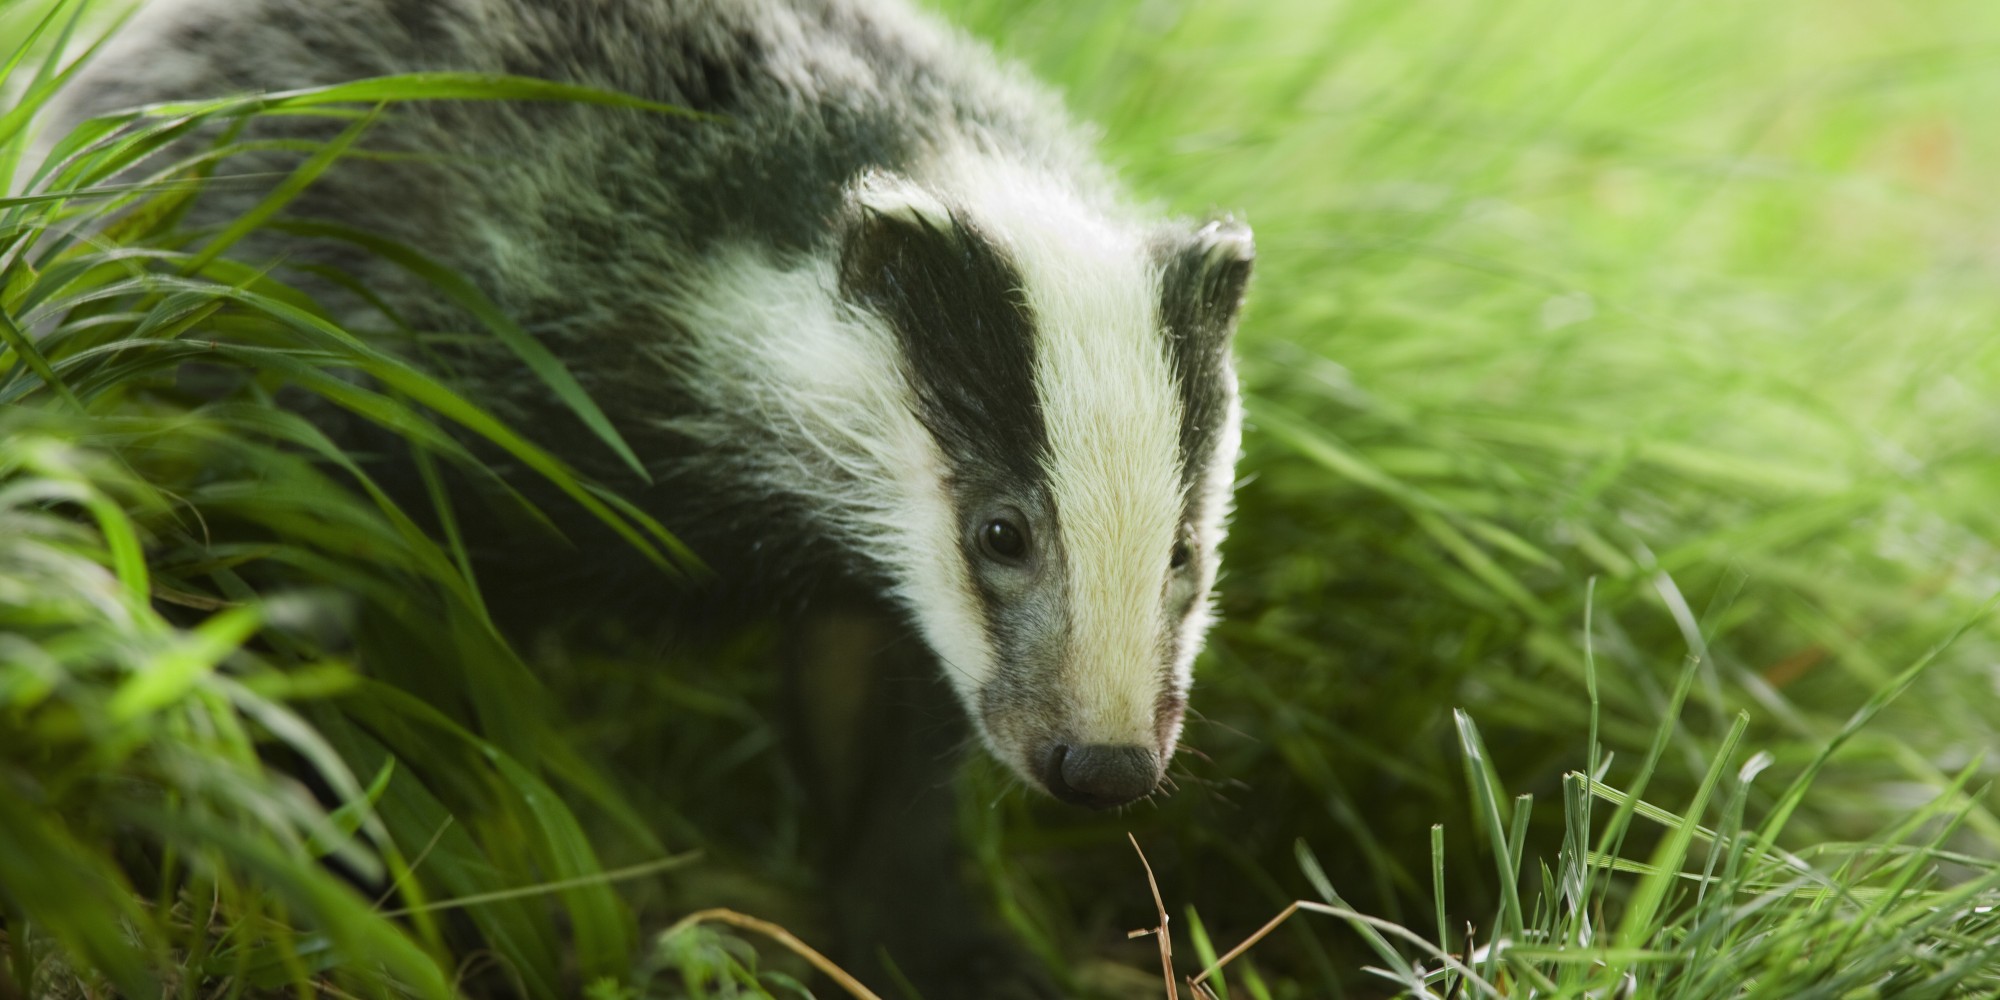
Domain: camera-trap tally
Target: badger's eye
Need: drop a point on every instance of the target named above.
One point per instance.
(1003, 539)
(1180, 557)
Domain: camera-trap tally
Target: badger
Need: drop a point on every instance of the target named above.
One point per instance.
(884, 330)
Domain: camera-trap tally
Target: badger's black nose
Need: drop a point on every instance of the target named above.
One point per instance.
(1101, 776)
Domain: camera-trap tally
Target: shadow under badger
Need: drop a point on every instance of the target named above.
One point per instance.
(895, 349)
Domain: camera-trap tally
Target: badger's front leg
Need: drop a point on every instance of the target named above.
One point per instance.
(878, 737)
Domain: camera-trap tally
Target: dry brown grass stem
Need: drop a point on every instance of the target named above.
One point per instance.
(1160, 931)
(743, 921)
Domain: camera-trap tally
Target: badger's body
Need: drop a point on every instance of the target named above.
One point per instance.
(880, 316)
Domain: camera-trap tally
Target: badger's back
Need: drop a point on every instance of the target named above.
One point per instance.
(542, 198)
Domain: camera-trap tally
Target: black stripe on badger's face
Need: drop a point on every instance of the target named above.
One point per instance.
(965, 335)
(1201, 290)
(1203, 278)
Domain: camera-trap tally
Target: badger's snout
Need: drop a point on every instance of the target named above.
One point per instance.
(1102, 775)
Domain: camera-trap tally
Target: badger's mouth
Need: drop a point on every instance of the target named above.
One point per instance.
(1101, 775)
(1047, 743)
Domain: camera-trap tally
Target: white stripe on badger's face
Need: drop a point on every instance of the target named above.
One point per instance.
(1112, 419)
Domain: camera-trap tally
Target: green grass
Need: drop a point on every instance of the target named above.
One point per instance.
(1606, 603)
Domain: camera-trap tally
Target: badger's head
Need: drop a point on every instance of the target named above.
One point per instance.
(1072, 374)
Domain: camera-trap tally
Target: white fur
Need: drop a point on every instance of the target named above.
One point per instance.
(1113, 421)
(898, 198)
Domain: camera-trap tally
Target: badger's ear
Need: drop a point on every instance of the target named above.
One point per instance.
(891, 225)
(1203, 277)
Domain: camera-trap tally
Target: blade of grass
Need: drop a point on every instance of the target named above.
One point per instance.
(1640, 922)
(1486, 810)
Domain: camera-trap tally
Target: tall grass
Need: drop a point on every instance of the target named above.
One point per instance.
(261, 729)
(1691, 302)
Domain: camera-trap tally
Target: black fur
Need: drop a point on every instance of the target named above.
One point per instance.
(1201, 292)
(967, 337)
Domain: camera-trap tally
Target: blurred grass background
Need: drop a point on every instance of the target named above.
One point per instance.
(1692, 301)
